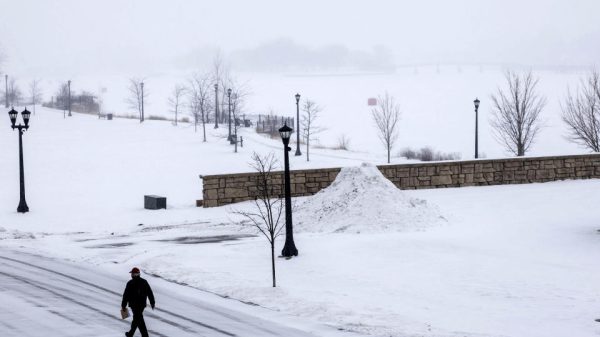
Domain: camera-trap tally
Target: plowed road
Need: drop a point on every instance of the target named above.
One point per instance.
(46, 297)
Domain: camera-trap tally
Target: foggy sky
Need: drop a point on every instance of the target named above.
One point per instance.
(100, 35)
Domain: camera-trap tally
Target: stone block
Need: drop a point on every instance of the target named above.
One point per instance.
(210, 194)
(402, 173)
(441, 180)
(467, 168)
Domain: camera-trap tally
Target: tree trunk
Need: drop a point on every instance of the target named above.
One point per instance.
(388, 152)
(307, 146)
(273, 263)
(203, 127)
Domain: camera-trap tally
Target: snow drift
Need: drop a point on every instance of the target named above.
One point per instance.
(361, 199)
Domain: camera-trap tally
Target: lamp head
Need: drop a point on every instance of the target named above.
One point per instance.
(26, 114)
(12, 114)
(229, 92)
(476, 102)
(285, 132)
(297, 98)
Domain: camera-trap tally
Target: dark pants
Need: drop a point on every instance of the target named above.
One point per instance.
(138, 322)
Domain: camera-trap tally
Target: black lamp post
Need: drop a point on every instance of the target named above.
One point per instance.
(229, 97)
(289, 248)
(22, 208)
(69, 85)
(298, 153)
(216, 105)
(476, 103)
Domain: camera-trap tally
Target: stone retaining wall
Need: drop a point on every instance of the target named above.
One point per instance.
(230, 188)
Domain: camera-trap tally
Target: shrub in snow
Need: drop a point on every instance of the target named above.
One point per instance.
(428, 154)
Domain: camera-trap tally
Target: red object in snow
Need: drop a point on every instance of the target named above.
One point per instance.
(372, 101)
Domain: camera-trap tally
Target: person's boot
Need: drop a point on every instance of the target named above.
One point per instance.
(128, 335)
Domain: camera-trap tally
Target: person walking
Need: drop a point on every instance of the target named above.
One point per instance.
(136, 292)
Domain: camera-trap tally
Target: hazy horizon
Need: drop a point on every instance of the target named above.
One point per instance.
(69, 36)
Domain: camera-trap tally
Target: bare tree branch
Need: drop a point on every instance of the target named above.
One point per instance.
(135, 100)
(581, 113)
(199, 98)
(239, 94)
(14, 93)
(268, 205)
(516, 113)
(386, 116)
(176, 99)
(310, 114)
(35, 93)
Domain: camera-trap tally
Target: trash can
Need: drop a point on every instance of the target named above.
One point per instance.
(155, 202)
(109, 117)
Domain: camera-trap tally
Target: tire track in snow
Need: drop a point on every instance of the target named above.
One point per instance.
(57, 289)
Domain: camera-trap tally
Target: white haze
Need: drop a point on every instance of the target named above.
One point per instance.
(69, 37)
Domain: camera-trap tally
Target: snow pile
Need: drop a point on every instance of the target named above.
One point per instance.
(361, 199)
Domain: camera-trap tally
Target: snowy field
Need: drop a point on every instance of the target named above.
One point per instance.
(487, 261)
(436, 102)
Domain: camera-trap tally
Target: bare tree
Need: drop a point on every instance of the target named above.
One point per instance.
(386, 115)
(199, 96)
(516, 113)
(268, 205)
(343, 143)
(310, 114)
(176, 99)
(62, 98)
(220, 75)
(14, 92)
(35, 92)
(138, 96)
(239, 94)
(581, 113)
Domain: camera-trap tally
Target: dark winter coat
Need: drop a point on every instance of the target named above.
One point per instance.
(136, 292)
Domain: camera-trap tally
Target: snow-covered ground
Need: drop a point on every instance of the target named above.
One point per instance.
(45, 297)
(508, 260)
(436, 101)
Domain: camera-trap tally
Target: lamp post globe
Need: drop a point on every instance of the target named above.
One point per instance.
(298, 152)
(26, 114)
(476, 103)
(12, 114)
(289, 248)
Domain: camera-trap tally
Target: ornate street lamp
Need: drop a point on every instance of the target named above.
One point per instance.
(298, 153)
(476, 103)
(229, 96)
(289, 248)
(12, 114)
(216, 105)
